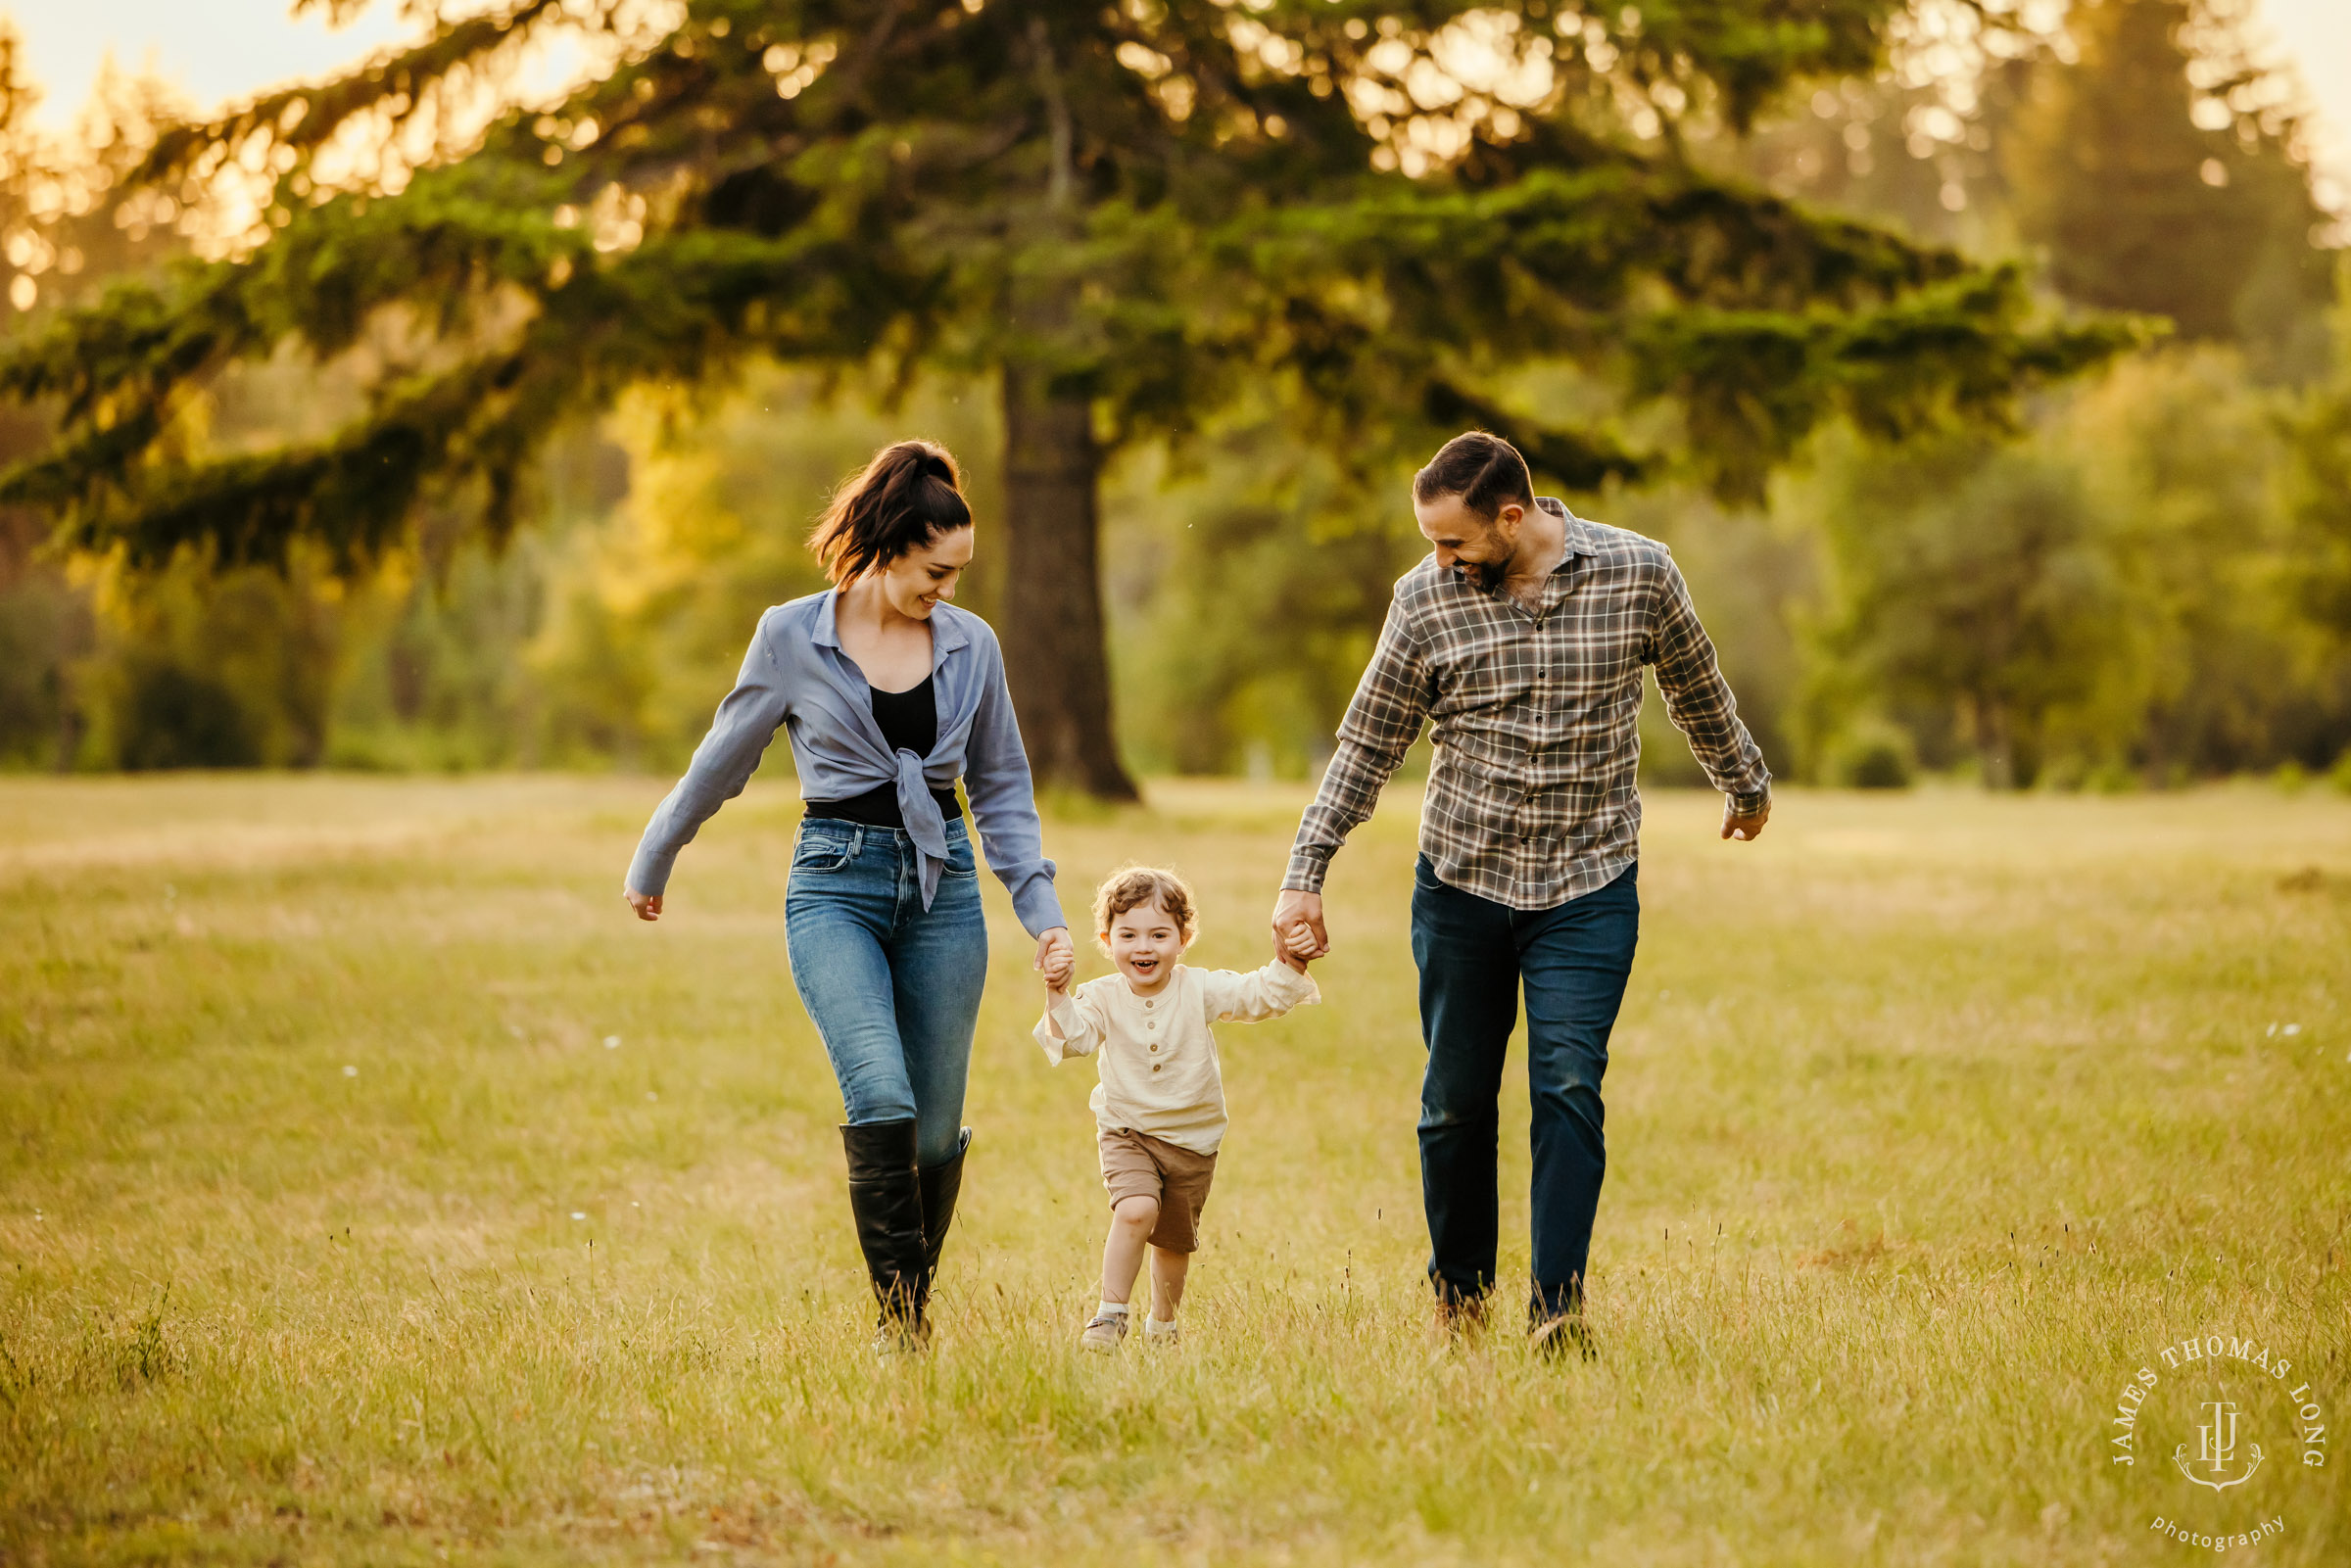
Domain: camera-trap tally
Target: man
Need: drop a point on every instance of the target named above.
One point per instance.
(1521, 638)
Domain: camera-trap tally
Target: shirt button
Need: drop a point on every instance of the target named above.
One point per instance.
(1153, 1025)
(1155, 1066)
(1154, 1045)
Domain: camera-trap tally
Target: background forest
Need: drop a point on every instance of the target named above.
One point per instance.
(2147, 580)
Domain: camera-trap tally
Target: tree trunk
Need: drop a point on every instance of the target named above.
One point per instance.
(1995, 742)
(1054, 654)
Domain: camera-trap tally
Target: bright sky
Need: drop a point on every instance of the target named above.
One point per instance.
(222, 50)
(2315, 35)
(215, 51)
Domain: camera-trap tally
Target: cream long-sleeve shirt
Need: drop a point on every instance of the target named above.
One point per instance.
(1157, 1054)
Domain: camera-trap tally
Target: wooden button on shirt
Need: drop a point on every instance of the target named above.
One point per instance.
(1182, 1099)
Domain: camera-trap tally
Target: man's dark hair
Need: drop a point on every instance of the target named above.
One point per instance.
(1484, 470)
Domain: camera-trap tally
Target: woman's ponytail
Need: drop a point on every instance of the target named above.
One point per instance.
(908, 496)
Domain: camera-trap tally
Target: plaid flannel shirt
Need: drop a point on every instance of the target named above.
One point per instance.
(1536, 720)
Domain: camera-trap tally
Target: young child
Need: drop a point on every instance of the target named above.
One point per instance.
(1160, 1106)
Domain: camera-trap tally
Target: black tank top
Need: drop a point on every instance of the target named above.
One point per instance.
(909, 722)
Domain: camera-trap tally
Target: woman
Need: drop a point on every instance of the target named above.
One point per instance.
(890, 696)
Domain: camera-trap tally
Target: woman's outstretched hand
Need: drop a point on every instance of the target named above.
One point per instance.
(646, 905)
(1056, 958)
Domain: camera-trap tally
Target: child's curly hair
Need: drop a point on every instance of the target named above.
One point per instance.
(1137, 885)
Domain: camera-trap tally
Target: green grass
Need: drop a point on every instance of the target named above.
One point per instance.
(331, 1229)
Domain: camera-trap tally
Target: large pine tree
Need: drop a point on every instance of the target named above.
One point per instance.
(2158, 172)
(1121, 211)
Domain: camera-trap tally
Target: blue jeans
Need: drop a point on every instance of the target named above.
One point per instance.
(894, 989)
(1475, 953)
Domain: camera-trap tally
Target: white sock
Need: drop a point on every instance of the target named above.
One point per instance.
(1158, 1327)
(1111, 1310)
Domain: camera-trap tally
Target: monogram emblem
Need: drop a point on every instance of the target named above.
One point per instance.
(2216, 1450)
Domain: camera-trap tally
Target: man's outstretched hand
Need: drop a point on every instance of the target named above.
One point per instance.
(1295, 911)
(1734, 826)
(1298, 949)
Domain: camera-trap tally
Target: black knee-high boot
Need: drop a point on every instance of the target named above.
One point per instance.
(940, 1184)
(885, 1197)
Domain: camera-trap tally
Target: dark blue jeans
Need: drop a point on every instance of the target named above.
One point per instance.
(1475, 953)
(894, 989)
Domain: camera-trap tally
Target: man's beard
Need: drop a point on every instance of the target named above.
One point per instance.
(1488, 575)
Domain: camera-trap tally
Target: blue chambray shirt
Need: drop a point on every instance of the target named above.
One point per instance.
(795, 676)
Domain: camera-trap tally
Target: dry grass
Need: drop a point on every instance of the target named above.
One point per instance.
(330, 1228)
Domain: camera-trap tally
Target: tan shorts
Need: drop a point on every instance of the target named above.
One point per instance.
(1135, 1164)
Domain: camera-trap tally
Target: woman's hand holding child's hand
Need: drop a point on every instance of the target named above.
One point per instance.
(1056, 958)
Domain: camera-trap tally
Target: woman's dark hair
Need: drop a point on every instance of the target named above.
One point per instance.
(1484, 470)
(908, 496)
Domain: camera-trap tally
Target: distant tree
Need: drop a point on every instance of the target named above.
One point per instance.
(2185, 455)
(57, 236)
(2160, 173)
(1249, 584)
(1972, 575)
(2319, 430)
(45, 626)
(1121, 213)
(1918, 145)
(2115, 594)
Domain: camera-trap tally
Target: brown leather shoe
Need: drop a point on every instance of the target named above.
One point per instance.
(1558, 1337)
(1461, 1316)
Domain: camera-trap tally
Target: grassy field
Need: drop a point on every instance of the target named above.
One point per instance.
(371, 1188)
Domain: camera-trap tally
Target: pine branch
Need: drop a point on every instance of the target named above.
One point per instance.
(1753, 385)
(1583, 237)
(398, 85)
(684, 307)
(459, 236)
(139, 343)
(352, 493)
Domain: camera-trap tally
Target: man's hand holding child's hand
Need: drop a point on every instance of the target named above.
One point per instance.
(1296, 947)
